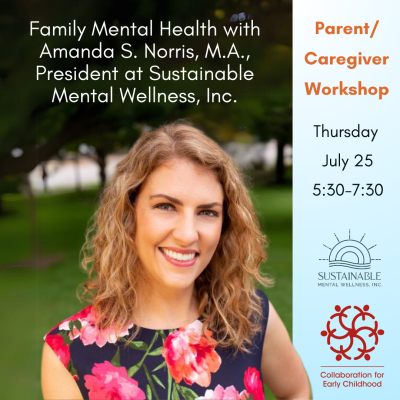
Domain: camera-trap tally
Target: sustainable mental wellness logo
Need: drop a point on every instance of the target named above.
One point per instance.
(350, 259)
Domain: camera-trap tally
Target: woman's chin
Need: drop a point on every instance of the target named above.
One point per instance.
(177, 284)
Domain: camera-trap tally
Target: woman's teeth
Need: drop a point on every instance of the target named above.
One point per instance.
(178, 256)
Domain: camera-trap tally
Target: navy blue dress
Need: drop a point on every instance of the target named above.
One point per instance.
(159, 364)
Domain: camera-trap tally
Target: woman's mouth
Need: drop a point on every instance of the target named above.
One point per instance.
(178, 259)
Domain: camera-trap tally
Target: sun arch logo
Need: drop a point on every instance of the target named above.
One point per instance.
(350, 253)
(356, 338)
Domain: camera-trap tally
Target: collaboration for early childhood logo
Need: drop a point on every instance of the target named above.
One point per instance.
(356, 339)
(350, 260)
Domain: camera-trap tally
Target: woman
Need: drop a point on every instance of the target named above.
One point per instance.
(172, 258)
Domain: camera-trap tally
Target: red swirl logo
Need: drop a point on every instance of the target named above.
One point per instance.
(362, 335)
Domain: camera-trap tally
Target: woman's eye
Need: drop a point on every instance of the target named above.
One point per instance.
(165, 206)
(209, 213)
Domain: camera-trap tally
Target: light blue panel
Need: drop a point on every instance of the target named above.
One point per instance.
(317, 219)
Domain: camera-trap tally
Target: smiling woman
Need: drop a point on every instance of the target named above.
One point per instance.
(176, 228)
(172, 257)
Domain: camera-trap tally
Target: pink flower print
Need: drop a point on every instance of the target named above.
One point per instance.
(56, 342)
(81, 315)
(190, 356)
(253, 384)
(219, 393)
(110, 382)
(89, 333)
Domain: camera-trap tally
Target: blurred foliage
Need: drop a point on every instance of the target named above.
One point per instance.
(10, 184)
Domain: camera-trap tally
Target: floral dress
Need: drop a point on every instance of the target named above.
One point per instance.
(170, 364)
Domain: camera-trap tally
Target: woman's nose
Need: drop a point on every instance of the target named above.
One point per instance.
(185, 232)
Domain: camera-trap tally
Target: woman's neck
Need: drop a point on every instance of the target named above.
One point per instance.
(166, 308)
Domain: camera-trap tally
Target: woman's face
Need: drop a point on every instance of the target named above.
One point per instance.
(179, 219)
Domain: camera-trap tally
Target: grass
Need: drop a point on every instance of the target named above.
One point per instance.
(33, 300)
(274, 209)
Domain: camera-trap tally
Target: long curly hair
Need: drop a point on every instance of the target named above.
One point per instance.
(228, 303)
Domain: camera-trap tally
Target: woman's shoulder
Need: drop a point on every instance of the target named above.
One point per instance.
(82, 326)
(64, 333)
(70, 324)
(265, 310)
(264, 301)
(261, 294)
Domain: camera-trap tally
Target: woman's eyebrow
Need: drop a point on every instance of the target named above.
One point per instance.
(209, 205)
(171, 199)
(177, 201)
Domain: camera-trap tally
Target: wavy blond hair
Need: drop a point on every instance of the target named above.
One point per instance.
(225, 290)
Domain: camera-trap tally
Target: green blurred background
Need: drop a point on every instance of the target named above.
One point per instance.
(33, 300)
(43, 222)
